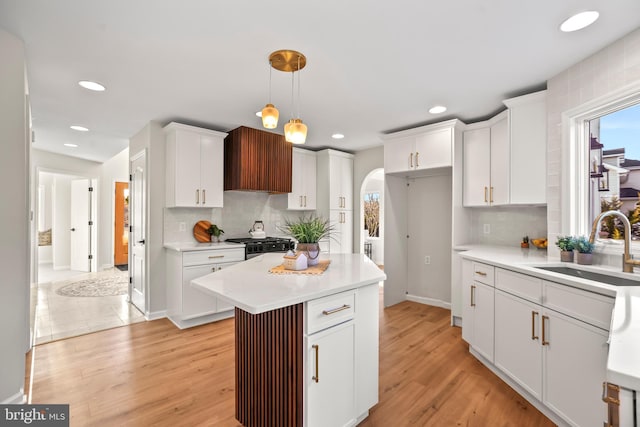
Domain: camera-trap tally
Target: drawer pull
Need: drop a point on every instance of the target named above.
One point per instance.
(216, 256)
(533, 325)
(544, 335)
(335, 310)
(316, 377)
(481, 273)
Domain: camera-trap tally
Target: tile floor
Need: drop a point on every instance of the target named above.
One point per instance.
(60, 316)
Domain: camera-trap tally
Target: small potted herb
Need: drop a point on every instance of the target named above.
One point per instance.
(585, 250)
(525, 242)
(214, 233)
(308, 231)
(566, 244)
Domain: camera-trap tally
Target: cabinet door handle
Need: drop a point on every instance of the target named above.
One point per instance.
(473, 295)
(481, 273)
(544, 332)
(216, 256)
(300, 201)
(491, 194)
(485, 194)
(335, 310)
(316, 377)
(411, 160)
(204, 196)
(197, 197)
(417, 154)
(305, 201)
(533, 325)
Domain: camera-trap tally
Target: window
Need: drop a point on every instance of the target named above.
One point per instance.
(372, 214)
(614, 169)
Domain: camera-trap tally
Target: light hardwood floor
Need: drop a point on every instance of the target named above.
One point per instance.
(154, 374)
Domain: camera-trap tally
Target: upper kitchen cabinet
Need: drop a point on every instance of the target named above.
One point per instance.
(194, 172)
(426, 147)
(257, 160)
(335, 197)
(505, 157)
(303, 181)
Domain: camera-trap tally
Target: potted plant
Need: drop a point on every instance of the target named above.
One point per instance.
(214, 233)
(566, 244)
(308, 231)
(525, 242)
(585, 250)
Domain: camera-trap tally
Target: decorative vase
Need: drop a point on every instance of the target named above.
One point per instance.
(584, 259)
(566, 256)
(312, 252)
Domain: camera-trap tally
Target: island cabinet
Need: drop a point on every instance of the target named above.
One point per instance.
(504, 158)
(186, 305)
(303, 181)
(306, 345)
(551, 340)
(194, 166)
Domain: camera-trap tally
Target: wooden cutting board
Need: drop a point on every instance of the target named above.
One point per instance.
(200, 231)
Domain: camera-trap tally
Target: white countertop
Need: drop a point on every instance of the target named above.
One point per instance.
(249, 286)
(196, 246)
(623, 361)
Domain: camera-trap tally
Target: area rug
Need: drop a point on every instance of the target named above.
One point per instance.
(97, 287)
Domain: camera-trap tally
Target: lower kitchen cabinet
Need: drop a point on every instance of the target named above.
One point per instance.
(478, 312)
(187, 306)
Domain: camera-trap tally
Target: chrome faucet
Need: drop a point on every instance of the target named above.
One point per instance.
(627, 261)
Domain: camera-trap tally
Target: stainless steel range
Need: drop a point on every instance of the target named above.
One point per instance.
(255, 247)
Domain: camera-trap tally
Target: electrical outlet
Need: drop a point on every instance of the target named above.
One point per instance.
(182, 226)
(427, 260)
(487, 228)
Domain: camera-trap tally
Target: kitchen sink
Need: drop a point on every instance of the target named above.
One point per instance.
(590, 275)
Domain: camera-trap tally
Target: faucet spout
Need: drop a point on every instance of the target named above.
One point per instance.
(627, 261)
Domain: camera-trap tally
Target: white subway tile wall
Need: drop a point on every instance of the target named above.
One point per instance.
(508, 225)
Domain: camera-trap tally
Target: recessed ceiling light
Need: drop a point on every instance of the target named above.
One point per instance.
(87, 84)
(579, 21)
(70, 145)
(437, 109)
(79, 128)
(259, 113)
(337, 136)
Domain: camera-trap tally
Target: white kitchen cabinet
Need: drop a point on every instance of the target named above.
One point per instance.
(194, 166)
(427, 147)
(330, 377)
(187, 306)
(478, 312)
(335, 197)
(303, 182)
(505, 157)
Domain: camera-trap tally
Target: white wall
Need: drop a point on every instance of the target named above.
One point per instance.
(15, 247)
(116, 169)
(60, 235)
(606, 71)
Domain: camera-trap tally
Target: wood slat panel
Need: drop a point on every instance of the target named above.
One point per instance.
(255, 160)
(269, 353)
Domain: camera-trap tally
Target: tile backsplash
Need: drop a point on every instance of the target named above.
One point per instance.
(507, 225)
(241, 210)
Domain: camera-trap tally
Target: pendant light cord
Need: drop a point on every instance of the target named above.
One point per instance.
(298, 86)
(270, 68)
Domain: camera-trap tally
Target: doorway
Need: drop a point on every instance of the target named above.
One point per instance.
(372, 217)
(121, 226)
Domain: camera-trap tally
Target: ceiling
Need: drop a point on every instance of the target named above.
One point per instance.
(372, 67)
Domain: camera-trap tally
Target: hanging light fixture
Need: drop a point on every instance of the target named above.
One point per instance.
(270, 113)
(291, 61)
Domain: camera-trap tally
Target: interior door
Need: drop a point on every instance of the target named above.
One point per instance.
(80, 228)
(121, 224)
(137, 195)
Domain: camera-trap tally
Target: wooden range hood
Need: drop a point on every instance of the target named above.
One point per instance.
(255, 160)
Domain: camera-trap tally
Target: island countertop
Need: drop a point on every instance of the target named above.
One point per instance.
(249, 286)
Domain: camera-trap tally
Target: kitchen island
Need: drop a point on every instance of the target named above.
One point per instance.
(306, 345)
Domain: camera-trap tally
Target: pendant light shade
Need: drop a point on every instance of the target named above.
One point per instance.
(270, 116)
(295, 131)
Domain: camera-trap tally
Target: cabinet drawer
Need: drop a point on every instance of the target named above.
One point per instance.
(212, 256)
(521, 285)
(483, 273)
(583, 305)
(329, 311)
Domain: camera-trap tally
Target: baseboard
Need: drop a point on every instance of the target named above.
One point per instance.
(62, 267)
(106, 267)
(456, 321)
(155, 315)
(521, 391)
(197, 321)
(429, 301)
(17, 398)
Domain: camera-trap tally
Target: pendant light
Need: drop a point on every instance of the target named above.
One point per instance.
(270, 113)
(289, 60)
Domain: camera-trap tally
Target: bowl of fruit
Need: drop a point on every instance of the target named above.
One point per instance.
(540, 243)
